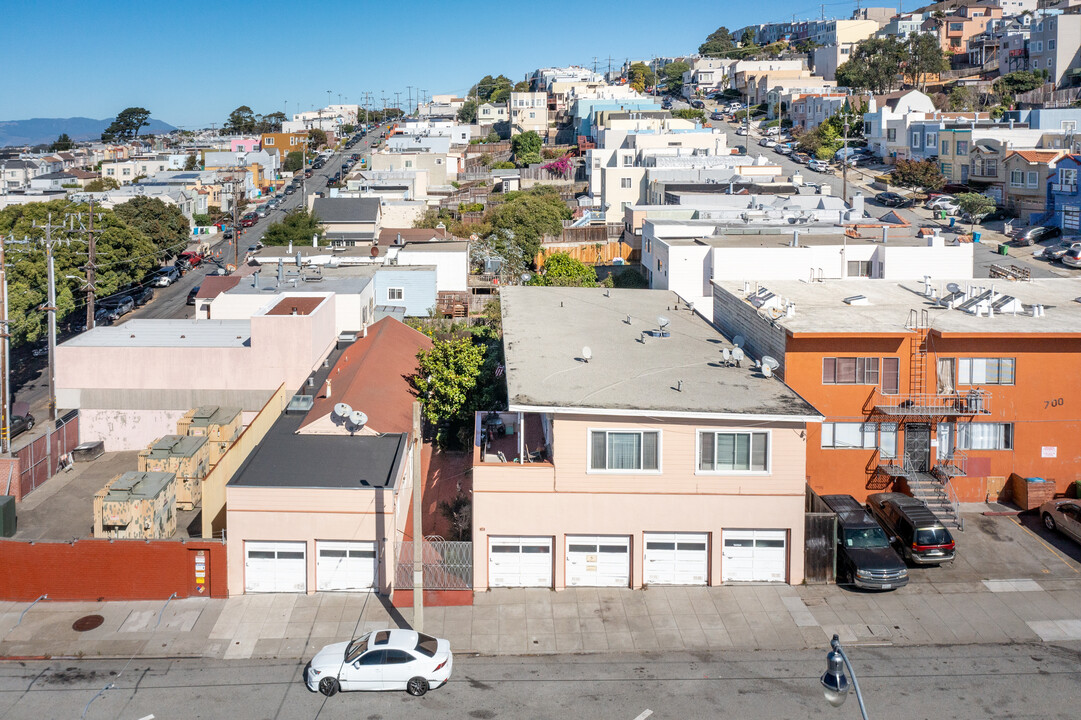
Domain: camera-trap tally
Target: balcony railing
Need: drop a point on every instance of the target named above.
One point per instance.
(1064, 187)
(974, 402)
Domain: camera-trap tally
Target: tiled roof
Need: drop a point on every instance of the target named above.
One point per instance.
(1039, 156)
(373, 376)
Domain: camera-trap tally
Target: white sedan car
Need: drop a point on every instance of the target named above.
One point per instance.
(381, 660)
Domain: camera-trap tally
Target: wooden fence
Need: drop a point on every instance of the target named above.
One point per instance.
(819, 541)
(1048, 96)
(589, 253)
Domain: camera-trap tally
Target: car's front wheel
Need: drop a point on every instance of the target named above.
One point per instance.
(1048, 521)
(417, 686)
(328, 686)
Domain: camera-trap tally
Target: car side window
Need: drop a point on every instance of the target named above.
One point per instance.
(397, 657)
(375, 657)
(1072, 512)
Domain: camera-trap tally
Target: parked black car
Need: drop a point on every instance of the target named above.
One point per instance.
(1039, 234)
(192, 293)
(892, 199)
(916, 532)
(864, 556)
(21, 419)
(142, 295)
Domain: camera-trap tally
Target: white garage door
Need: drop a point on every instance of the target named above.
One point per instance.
(341, 565)
(676, 559)
(519, 562)
(598, 561)
(275, 567)
(754, 556)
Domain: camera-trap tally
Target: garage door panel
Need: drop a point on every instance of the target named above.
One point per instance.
(519, 562)
(598, 561)
(348, 566)
(754, 556)
(275, 567)
(676, 559)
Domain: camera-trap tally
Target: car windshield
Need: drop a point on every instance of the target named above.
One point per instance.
(357, 648)
(866, 538)
(933, 536)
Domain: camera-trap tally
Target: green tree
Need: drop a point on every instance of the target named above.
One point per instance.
(975, 205)
(492, 89)
(1008, 86)
(717, 42)
(192, 162)
(316, 138)
(673, 76)
(102, 184)
(521, 86)
(271, 122)
(526, 143)
(689, 114)
(562, 270)
(162, 224)
(747, 39)
(875, 65)
(467, 113)
(526, 217)
(925, 58)
(293, 161)
(349, 128)
(240, 122)
(124, 255)
(962, 98)
(61, 143)
(640, 76)
(126, 125)
(446, 378)
(923, 174)
(297, 227)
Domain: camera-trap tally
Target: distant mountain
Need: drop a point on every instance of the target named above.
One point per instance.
(37, 131)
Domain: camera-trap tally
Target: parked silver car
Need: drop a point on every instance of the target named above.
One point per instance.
(1064, 516)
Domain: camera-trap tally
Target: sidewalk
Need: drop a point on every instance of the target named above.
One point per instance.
(526, 621)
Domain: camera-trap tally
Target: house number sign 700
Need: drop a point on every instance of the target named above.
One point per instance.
(1057, 402)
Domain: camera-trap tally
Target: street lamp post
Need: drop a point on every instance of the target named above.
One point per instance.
(834, 682)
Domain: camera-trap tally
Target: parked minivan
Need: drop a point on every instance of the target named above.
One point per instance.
(864, 555)
(920, 536)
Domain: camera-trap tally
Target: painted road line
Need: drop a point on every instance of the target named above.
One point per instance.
(1055, 551)
(645, 713)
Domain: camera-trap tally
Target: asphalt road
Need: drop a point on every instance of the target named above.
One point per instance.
(171, 302)
(958, 682)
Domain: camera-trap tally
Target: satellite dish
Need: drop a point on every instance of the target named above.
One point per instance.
(770, 362)
(726, 355)
(358, 419)
(587, 354)
(663, 322)
(738, 341)
(953, 287)
(342, 410)
(767, 370)
(737, 355)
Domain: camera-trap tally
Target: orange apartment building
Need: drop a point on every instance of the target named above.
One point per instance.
(283, 143)
(945, 386)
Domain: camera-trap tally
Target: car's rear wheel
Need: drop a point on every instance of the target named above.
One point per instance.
(416, 686)
(328, 686)
(1048, 521)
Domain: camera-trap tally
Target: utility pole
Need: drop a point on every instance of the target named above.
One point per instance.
(398, 103)
(409, 99)
(5, 335)
(90, 267)
(50, 308)
(418, 536)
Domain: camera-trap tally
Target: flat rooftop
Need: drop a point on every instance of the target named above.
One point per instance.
(779, 238)
(167, 333)
(319, 279)
(629, 371)
(821, 308)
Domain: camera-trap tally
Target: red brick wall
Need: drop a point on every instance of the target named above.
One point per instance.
(104, 570)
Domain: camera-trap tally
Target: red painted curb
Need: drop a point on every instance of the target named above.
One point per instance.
(24, 658)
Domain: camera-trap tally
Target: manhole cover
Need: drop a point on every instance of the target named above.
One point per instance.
(88, 622)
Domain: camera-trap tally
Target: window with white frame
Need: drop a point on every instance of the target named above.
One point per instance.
(733, 451)
(848, 435)
(1017, 178)
(932, 140)
(985, 436)
(625, 183)
(916, 140)
(1067, 176)
(887, 440)
(624, 450)
(945, 147)
(395, 293)
(985, 371)
(891, 134)
(859, 268)
(962, 147)
(1050, 44)
(268, 141)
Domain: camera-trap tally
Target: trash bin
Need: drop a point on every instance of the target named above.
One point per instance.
(975, 237)
(941, 214)
(1077, 488)
(1003, 249)
(952, 221)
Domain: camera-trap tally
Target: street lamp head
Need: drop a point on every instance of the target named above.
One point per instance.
(834, 682)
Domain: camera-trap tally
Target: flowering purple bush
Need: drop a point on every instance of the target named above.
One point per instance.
(561, 167)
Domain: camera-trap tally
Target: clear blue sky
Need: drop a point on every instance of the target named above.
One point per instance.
(190, 63)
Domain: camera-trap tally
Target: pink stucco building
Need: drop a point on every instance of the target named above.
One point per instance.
(131, 382)
(244, 144)
(633, 453)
